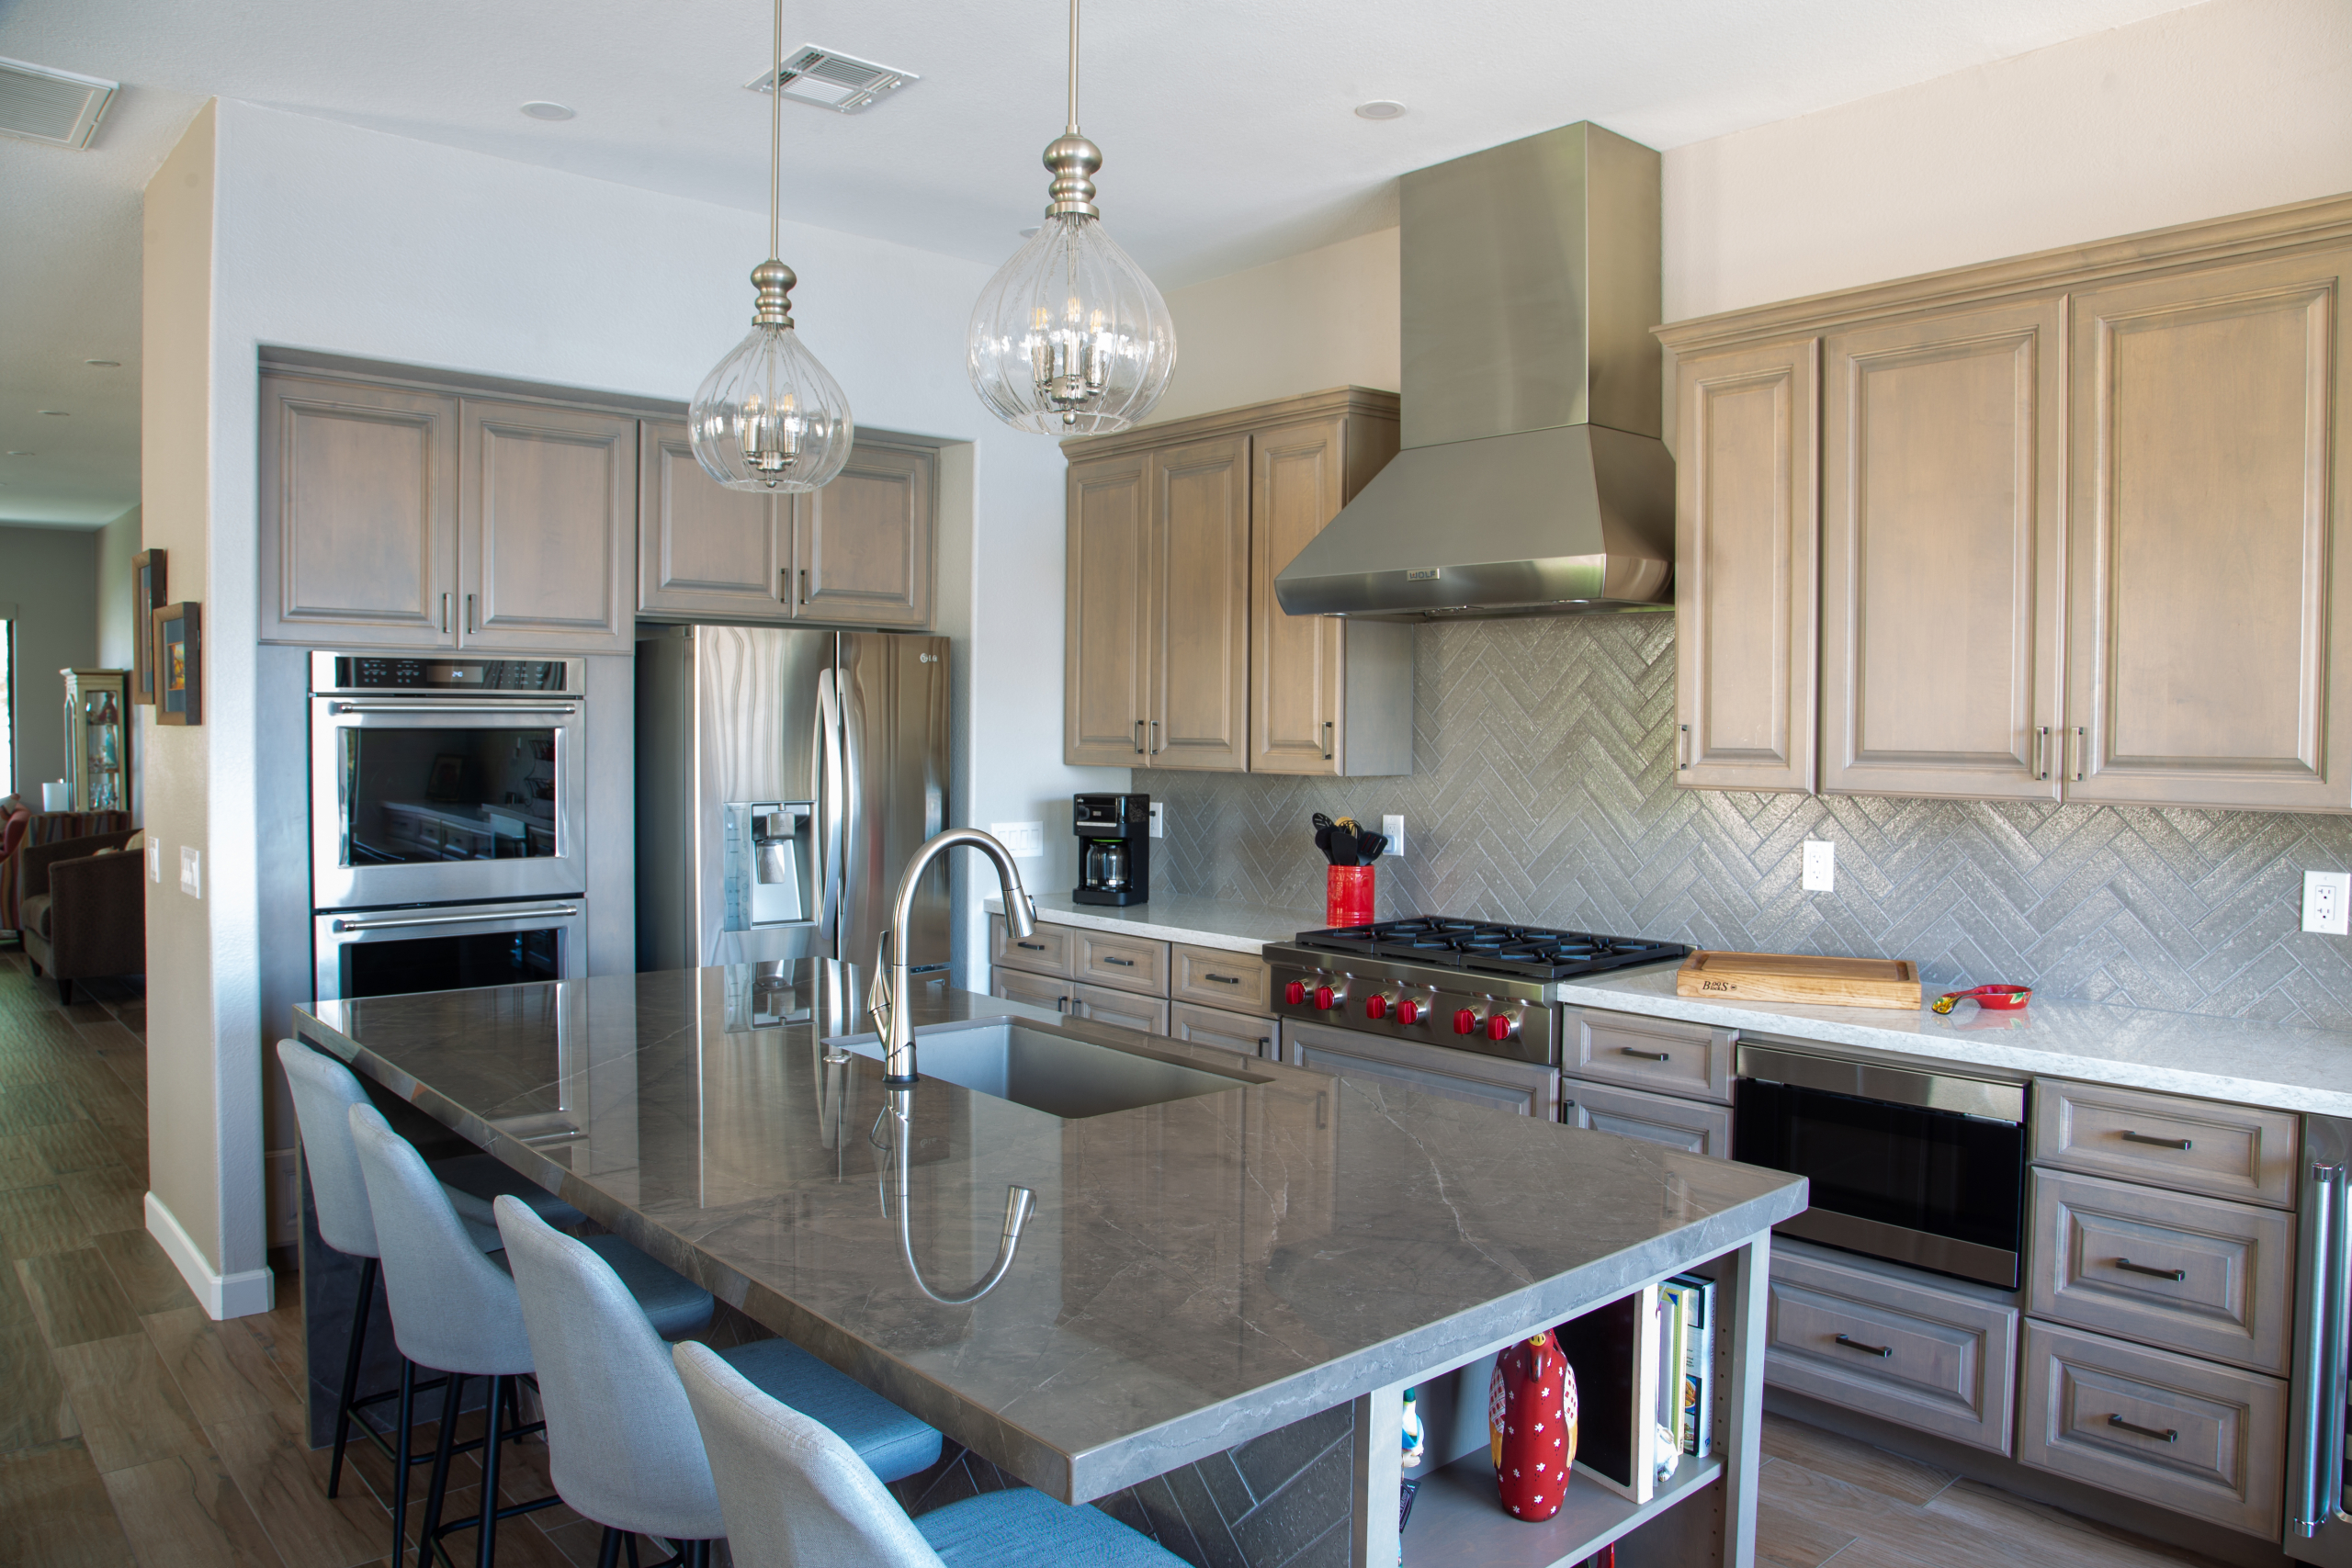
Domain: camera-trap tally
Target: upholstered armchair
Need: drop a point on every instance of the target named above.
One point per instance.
(84, 913)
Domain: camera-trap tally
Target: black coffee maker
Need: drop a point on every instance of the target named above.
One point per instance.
(1114, 848)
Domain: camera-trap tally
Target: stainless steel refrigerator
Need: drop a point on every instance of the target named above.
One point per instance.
(785, 778)
(2319, 1459)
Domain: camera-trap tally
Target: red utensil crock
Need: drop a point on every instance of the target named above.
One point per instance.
(1348, 898)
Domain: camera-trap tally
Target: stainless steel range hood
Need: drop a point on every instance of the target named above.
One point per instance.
(1531, 480)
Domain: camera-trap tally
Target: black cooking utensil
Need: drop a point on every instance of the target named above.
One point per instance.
(1370, 847)
(1323, 841)
(1322, 821)
(1343, 848)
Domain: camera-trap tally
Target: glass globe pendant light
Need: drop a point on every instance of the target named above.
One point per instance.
(770, 418)
(1069, 337)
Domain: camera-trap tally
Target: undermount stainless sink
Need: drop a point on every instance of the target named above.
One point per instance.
(1048, 1070)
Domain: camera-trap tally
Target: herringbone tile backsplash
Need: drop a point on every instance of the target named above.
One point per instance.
(1544, 792)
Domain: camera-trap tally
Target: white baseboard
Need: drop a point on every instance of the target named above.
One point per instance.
(221, 1295)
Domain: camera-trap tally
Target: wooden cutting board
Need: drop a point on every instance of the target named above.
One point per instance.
(1795, 977)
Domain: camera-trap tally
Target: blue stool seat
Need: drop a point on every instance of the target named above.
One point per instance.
(674, 1304)
(893, 1443)
(475, 1180)
(1021, 1527)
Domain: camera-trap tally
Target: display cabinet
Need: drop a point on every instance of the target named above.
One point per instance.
(97, 738)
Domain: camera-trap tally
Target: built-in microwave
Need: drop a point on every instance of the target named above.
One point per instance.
(1921, 1168)
(389, 953)
(442, 780)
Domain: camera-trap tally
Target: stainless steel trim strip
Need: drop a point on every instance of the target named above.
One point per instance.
(477, 706)
(471, 917)
(1866, 1080)
(1897, 1244)
(2321, 1495)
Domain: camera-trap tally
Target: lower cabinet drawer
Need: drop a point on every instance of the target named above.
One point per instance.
(1124, 1008)
(1520, 1088)
(1037, 990)
(1230, 982)
(1659, 1118)
(1124, 962)
(1047, 950)
(2181, 1434)
(1891, 1344)
(2197, 1275)
(1230, 1030)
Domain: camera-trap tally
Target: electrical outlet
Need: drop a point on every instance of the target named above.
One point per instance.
(1022, 840)
(1158, 823)
(1394, 829)
(191, 871)
(154, 858)
(1820, 866)
(2326, 894)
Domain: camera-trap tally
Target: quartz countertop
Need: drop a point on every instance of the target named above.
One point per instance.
(1203, 922)
(2240, 1060)
(1196, 1273)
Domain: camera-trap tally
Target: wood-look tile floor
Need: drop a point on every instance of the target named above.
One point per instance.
(134, 1430)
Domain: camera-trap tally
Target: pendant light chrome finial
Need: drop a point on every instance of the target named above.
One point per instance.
(1069, 337)
(770, 418)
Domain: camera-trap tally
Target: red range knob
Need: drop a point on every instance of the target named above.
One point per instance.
(1409, 1011)
(1465, 1021)
(1377, 1008)
(1295, 993)
(1324, 997)
(1498, 1027)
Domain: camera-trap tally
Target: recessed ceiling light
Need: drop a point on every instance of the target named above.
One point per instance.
(55, 414)
(540, 108)
(1380, 108)
(104, 364)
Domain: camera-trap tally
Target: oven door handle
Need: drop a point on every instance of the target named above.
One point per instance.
(477, 705)
(388, 923)
(2316, 1489)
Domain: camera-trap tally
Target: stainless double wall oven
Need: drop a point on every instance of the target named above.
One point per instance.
(448, 827)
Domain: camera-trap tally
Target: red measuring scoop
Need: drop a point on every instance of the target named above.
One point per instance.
(1987, 996)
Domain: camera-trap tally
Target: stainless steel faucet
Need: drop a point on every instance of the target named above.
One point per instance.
(893, 1019)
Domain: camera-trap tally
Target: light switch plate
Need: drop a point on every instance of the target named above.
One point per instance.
(1022, 840)
(191, 871)
(1820, 866)
(1393, 827)
(2325, 894)
(1158, 823)
(154, 858)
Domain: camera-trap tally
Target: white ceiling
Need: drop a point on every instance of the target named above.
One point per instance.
(1225, 124)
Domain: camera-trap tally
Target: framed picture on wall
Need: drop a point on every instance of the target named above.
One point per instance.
(178, 653)
(147, 596)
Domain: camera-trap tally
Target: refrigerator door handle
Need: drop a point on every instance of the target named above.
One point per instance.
(2315, 1490)
(833, 802)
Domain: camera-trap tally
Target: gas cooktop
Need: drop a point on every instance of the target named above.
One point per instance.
(1531, 953)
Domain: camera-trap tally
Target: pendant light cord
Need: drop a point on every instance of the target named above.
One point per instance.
(775, 124)
(1073, 68)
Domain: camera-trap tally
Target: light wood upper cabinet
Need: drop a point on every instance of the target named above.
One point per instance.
(547, 515)
(1108, 591)
(2208, 664)
(358, 513)
(1199, 609)
(1941, 544)
(1746, 542)
(703, 549)
(862, 545)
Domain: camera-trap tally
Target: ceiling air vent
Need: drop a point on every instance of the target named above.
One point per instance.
(56, 106)
(830, 79)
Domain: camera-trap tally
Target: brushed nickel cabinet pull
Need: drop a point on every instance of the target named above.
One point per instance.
(2168, 1435)
(470, 615)
(2131, 1137)
(1880, 1350)
(804, 585)
(1155, 747)
(2041, 752)
(1139, 738)
(1029, 946)
(1646, 1055)
(444, 611)
(1122, 963)
(2175, 1275)
(1326, 739)
(2081, 745)
(1225, 979)
(1682, 749)
(1061, 1004)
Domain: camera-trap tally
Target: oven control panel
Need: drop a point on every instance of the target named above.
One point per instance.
(402, 673)
(1458, 1014)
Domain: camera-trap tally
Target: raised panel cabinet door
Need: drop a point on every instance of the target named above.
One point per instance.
(358, 512)
(701, 548)
(547, 515)
(863, 546)
(2205, 663)
(1106, 590)
(1942, 542)
(1746, 525)
(1199, 685)
(1296, 662)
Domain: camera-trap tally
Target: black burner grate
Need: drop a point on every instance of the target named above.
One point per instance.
(1531, 953)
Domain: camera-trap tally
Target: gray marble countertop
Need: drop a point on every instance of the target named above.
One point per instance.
(1203, 922)
(2240, 1060)
(1197, 1273)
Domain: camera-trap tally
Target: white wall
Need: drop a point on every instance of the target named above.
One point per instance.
(48, 575)
(1326, 317)
(118, 543)
(341, 240)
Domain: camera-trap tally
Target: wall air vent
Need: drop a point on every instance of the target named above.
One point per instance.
(831, 80)
(56, 106)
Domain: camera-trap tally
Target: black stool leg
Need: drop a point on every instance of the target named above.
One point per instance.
(440, 1487)
(493, 1411)
(402, 1459)
(608, 1551)
(342, 1411)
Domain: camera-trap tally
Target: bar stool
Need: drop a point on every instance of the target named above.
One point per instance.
(622, 1443)
(794, 1495)
(324, 1092)
(455, 1310)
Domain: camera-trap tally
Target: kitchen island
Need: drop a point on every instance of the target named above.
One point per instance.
(1198, 1274)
